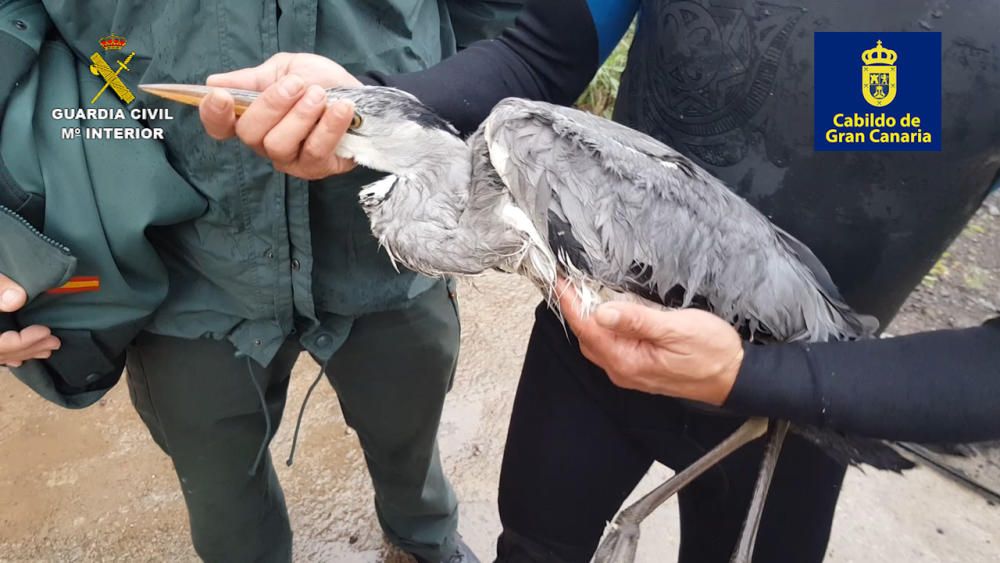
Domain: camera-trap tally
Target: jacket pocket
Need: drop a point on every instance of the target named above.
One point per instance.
(32, 260)
(31, 207)
(82, 365)
(81, 371)
(77, 375)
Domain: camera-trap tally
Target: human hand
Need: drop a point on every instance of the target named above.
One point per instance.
(686, 353)
(291, 123)
(32, 343)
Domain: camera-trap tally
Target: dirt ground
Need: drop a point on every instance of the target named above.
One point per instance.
(91, 485)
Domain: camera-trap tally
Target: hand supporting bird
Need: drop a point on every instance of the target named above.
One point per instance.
(291, 122)
(687, 353)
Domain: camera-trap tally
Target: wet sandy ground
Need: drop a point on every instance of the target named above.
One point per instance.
(91, 485)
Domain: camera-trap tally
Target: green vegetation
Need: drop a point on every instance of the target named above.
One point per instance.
(600, 96)
(939, 271)
(974, 227)
(976, 277)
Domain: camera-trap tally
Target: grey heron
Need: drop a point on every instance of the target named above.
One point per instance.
(548, 192)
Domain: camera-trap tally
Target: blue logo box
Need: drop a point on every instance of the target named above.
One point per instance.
(877, 91)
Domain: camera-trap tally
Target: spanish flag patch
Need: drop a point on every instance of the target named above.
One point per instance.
(79, 284)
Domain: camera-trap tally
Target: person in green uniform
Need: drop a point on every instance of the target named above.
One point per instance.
(273, 266)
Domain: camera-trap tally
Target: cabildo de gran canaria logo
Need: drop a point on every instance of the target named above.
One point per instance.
(878, 81)
(878, 91)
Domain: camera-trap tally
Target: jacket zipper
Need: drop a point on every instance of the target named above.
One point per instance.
(65, 250)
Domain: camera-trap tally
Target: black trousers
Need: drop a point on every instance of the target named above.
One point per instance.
(578, 445)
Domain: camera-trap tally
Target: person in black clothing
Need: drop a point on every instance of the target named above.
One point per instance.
(935, 387)
(729, 83)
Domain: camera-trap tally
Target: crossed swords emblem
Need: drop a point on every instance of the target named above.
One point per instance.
(103, 69)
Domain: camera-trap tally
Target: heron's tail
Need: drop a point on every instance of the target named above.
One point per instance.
(856, 450)
(976, 465)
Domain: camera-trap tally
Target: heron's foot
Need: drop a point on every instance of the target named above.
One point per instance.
(619, 543)
(376, 193)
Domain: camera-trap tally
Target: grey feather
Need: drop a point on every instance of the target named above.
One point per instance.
(628, 201)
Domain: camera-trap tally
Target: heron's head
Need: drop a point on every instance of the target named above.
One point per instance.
(393, 132)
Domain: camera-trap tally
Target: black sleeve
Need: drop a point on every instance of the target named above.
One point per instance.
(933, 387)
(550, 54)
(473, 20)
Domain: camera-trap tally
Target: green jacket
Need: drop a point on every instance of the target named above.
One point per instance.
(242, 252)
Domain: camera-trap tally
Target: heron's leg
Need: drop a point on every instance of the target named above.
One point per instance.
(620, 542)
(748, 536)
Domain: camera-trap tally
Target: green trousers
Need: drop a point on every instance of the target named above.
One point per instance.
(391, 376)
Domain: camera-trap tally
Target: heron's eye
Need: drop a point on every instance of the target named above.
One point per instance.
(356, 122)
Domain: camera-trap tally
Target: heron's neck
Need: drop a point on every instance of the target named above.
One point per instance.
(424, 217)
(436, 186)
(441, 174)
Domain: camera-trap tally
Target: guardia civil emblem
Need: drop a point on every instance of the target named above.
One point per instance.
(100, 67)
(878, 76)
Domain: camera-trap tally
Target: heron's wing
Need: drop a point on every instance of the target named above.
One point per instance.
(597, 191)
(637, 216)
(863, 325)
(569, 176)
(600, 128)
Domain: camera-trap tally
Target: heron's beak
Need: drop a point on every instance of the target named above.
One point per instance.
(193, 94)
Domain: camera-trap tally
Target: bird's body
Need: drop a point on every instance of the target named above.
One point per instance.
(554, 191)
(548, 192)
